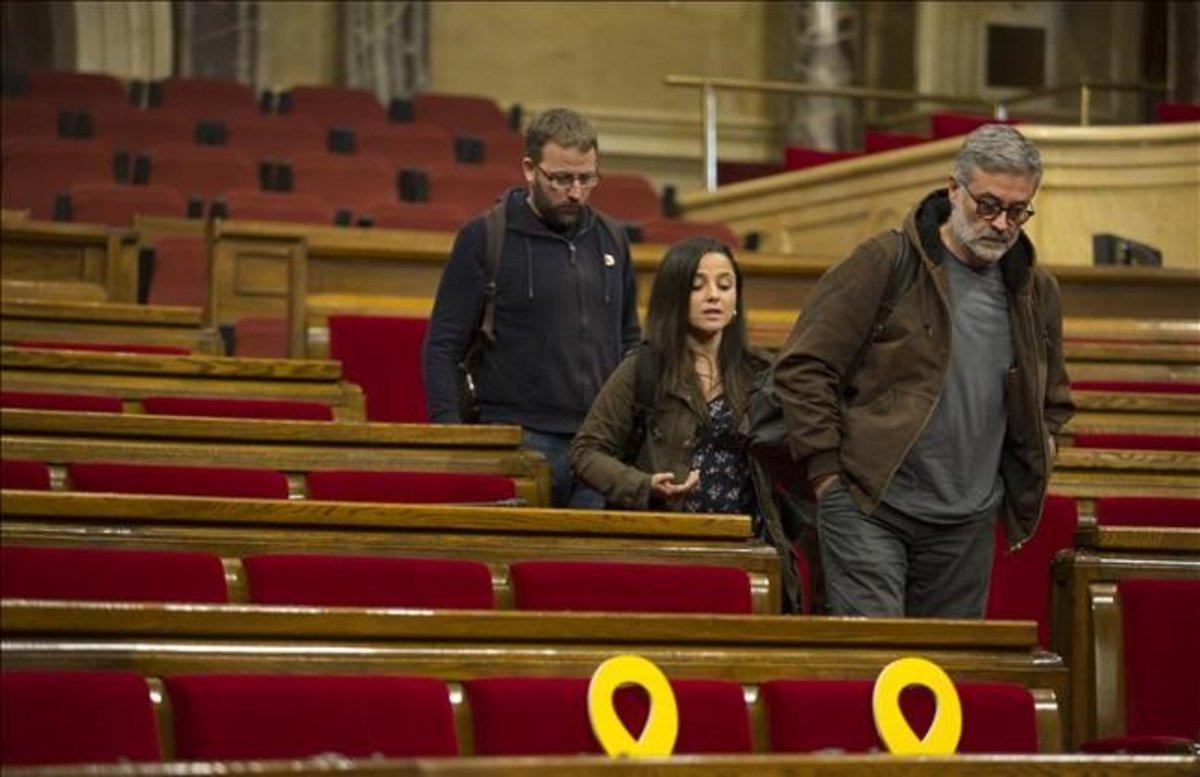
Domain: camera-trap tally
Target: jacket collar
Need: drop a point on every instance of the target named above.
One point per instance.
(522, 218)
(926, 219)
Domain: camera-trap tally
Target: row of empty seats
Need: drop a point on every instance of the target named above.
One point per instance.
(74, 717)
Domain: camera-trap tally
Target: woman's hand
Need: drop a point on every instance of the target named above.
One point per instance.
(663, 484)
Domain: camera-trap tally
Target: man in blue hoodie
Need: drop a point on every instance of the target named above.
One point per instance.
(565, 306)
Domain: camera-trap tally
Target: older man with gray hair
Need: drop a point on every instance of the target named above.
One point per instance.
(922, 389)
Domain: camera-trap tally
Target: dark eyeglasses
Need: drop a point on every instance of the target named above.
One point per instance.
(988, 207)
(564, 181)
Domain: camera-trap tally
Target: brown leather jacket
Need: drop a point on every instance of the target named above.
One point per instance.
(864, 432)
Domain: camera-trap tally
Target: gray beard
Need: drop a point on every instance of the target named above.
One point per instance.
(985, 251)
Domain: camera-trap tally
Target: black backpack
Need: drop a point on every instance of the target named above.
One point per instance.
(485, 332)
(762, 428)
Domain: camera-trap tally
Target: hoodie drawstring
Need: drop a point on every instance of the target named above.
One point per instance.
(529, 266)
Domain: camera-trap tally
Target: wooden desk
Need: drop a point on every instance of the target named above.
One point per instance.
(107, 322)
(59, 261)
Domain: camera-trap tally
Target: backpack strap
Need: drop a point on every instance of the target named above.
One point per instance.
(496, 224)
(647, 370)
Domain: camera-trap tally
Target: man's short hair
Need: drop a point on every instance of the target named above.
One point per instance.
(997, 148)
(565, 127)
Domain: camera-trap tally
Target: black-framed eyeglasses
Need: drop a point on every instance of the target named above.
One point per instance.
(564, 181)
(988, 207)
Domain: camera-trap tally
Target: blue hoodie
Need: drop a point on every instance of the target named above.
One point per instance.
(566, 312)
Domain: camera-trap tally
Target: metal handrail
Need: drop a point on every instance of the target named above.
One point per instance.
(999, 108)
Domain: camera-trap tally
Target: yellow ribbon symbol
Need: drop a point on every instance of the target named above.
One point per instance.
(943, 735)
(662, 724)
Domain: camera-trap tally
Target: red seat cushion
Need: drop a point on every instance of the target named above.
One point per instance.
(220, 407)
(36, 400)
(369, 581)
(1148, 511)
(105, 575)
(629, 197)
(945, 125)
(75, 717)
(548, 716)
(554, 585)
(1138, 386)
(410, 487)
(1177, 112)
(180, 481)
(226, 717)
(172, 350)
(803, 158)
(808, 715)
(1138, 442)
(29, 475)
(459, 113)
(382, 354)
(875, 141)
(1020, 583)
(1161, 631)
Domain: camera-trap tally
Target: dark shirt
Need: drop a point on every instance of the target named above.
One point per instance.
(725, 485)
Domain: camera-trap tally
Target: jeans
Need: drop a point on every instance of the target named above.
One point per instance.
(891, 565)
(565, 489)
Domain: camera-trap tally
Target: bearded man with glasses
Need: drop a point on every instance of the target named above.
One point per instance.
(922, 389)
(536, 305)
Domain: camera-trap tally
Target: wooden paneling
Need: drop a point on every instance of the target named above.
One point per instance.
(47, 260)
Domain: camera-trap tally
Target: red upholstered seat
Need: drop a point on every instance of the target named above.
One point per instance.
(548, 716)
(249, 205)
(369, 581)
(808, 715)
(85, 403)
(459, 113)
(733, 172)
(180, 271)
(616, 587)
(117, 205)
(202, 171)
(103, 575)
(74, 91)
(263, 337)
(28, 475)
(1139, 442)
(75, 717)
(226, 717)
(382, 354)
(137, 131)
(331, 106)
(204, 98)
(501, 147)
(1148, 511)
(1139, 386)
(1161, 631)
(345, 181)
(220, 407)
(411, 487)
(627, 197)
(407, 145)
(667, 231)
(1168, 112)
(180, 481)
(795, 158)
(36, 170)
(172, 350)
(875, 141)
(1020, 582)
(27, 117)
(1139, 745)
(416, 215)
(472, 187)
(264, 136)
(945, 125)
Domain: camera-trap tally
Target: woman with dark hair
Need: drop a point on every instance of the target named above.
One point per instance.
(683, 454)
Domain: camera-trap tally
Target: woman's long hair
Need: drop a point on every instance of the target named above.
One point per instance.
(667, 323)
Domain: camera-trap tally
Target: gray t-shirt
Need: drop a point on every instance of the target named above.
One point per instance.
(952, 473)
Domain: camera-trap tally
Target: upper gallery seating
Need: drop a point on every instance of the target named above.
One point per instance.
(118, 204)
(201, 171)
(332, 106)
(201, 98)
(459, 113)
(72, 90)
(253, 205)
(267, 136)
(36, 170)
(178, 270)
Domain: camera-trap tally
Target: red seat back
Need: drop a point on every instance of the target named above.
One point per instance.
(1138, 386)
(38, 169)
(407, 145)
(875, 141)
(1138, 442)
(178, 481)
(410, 487)
(946, 125)
(416, 215)
(382, 354)
(1180, 512)
(346, 181)
(668, 231)
(369, 581)
(227, 717)
(459, 113)
(180, 271)
(26, 117)
(627, 197)
(616, 587)
(76, 717)
(103, 575)
(263, 136)
(472, 187)
(205, 98)
(796, 158)
(28, 475)
(548, 716)
(1161, 630)
(332, 106)
(117, 205)
(202, 171)
(84, 403)
(137, 131)
(222, 407)
(249, 205)
(74, 91)
(809, 715)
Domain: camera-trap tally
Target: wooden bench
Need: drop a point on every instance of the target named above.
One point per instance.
(161, 640)
(1083, 472)
(28, 320)
(496, 535)
(292, 447)
(1082, 585)
(133, 377)
(57, 261)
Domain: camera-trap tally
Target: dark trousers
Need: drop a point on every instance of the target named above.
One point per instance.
(565, 489)
(891, 565)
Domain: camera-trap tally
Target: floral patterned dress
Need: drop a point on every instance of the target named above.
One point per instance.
(725, 485)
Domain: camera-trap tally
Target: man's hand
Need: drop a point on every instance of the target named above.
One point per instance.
(823, 484)
(663, 484)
